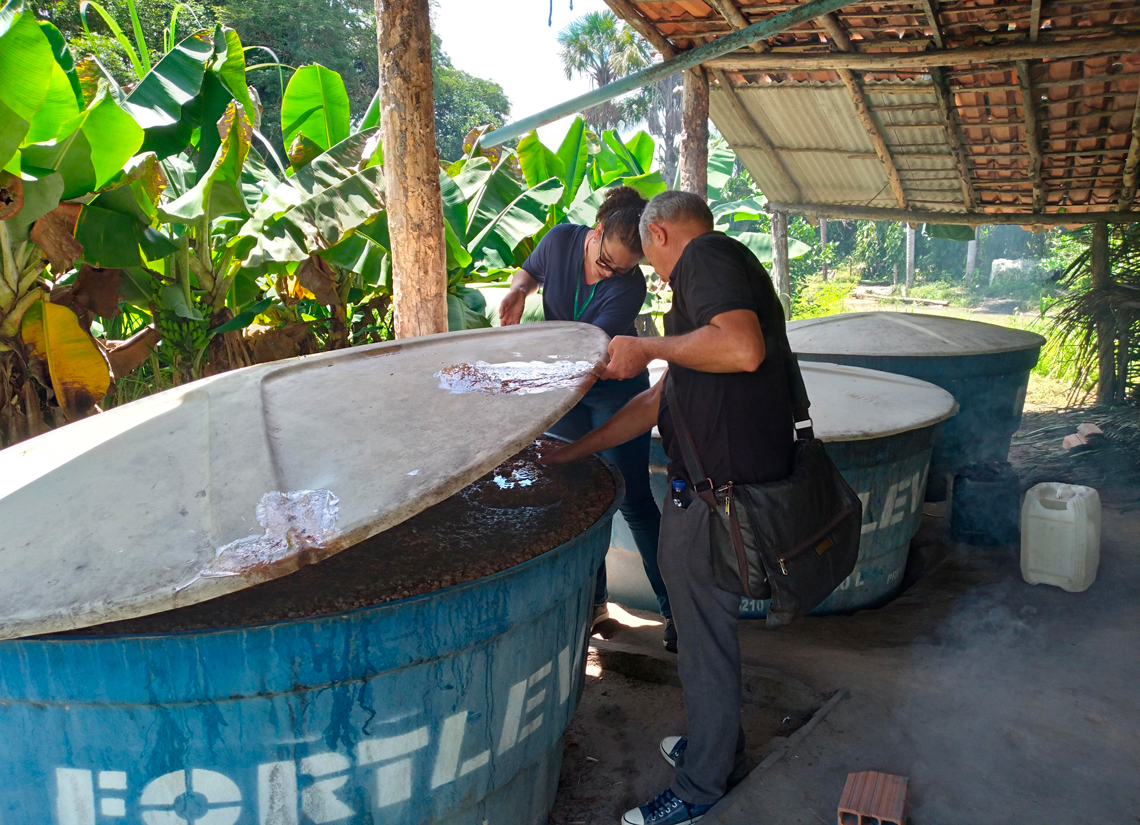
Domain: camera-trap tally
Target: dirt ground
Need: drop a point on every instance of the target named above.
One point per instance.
(1002, 702)
(632, 699)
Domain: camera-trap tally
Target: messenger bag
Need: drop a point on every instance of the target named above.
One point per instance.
(793, 540)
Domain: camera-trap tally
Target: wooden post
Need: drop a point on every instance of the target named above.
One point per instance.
(909, 257)
(1105, 334)
(411, 167)
(695, 133)
(894, 274)
(780, 273)
(823, 246)
(971, 259)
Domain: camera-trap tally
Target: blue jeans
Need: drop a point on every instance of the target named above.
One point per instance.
(639, 507)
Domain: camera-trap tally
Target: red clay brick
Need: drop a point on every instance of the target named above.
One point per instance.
(873, 798)
(1074, 441)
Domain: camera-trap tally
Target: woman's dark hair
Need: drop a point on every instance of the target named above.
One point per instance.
(620, 214)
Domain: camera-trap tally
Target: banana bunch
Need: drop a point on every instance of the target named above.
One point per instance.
(184, 333)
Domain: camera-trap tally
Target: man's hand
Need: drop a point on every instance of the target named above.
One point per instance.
(627, 358)
(511, 309)
(563, 454)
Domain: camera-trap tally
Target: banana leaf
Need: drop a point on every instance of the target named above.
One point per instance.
(62, 56)
(42, 191)
(537, 162)
(99, 141)
(761, 245)
(218, 192)
(316, 105)
(26, 62)
(574, 154)
(721, 162)
(162, 103)
(523, 217)
(642, 147)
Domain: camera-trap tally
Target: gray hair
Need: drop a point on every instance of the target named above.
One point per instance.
(674, 206)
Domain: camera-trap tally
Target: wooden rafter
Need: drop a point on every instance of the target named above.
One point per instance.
(1034, 20)
(854, 86)
(868, 213)
(1128, 188)
(931, 9)
(954, 135)
(757, 134)
(628, 12)
(888, 61)
(731, 13)
(1032, 133)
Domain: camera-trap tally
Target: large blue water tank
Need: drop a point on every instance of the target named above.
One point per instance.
(444, 708)
(984, 366)
(879, 430)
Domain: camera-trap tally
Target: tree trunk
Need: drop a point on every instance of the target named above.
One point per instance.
(909, 257)
(823, 246)
(780, 259)
(1105, 332)
(411, 167)
(971, 259)
(894, 275)
(695, 133)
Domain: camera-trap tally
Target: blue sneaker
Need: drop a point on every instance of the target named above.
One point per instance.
(672, 747)
(666, 809)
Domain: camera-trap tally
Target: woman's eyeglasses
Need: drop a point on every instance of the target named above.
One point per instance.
(608, 267)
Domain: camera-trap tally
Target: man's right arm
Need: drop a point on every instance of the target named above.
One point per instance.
(637, 417)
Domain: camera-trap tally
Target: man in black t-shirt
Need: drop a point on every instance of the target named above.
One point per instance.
(724, 342)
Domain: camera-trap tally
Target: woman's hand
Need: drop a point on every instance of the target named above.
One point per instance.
(511, 309)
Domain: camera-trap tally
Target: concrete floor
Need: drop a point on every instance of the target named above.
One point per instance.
(1003, 702)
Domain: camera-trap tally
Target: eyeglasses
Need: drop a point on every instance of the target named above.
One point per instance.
(608, 267)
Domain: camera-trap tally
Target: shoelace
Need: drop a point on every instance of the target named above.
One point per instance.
(663, 804)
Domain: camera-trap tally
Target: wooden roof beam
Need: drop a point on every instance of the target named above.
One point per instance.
(628, 12)
(1032, 133)
(931, 9)
(756, 133)
(1034, 20)
(870, 213)
(731, 12)
(1131, 164)
(839, 36)
(908, 61)
(954, 135)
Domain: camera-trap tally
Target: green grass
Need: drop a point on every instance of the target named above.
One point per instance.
(817, 297)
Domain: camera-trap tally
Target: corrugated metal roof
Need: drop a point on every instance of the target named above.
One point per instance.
(1086, 107)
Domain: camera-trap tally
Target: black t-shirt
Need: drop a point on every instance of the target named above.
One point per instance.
(742, 421)
(556, 263)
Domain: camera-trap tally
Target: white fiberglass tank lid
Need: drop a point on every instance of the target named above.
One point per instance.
(233, 480)
(857, 404)
(905, 334)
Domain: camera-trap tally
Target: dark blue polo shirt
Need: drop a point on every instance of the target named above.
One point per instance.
(556, 264)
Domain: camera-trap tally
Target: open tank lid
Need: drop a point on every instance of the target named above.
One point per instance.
(233, 480)
(857, 404)
(897, 334)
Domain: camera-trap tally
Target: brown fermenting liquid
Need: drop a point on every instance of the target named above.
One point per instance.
(516, 512)
(513, 377)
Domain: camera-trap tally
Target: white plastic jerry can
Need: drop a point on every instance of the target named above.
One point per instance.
(1060, 535)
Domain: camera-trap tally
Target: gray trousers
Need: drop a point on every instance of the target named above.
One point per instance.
(708, 658)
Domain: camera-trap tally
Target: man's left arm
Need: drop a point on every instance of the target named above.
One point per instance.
(732, 341)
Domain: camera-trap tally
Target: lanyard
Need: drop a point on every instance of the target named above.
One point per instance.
(577, 283)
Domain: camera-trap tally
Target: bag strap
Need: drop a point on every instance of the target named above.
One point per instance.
(704, 487)
(801, 417)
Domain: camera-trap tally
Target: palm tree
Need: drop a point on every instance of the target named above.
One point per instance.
(659, 106)
(601, 47)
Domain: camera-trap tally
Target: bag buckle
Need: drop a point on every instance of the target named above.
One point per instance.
(703, 486)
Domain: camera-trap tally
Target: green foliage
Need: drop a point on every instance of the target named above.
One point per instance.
(315, 106)
(462, 103)
(817, 297)
(599, 46)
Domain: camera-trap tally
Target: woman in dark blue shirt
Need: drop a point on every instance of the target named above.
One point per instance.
(591, 274)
